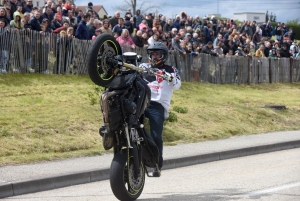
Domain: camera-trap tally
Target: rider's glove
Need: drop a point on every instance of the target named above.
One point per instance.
(168, 77)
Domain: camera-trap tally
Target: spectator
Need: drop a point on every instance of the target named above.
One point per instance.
(119, 27)
(71, 19)
(196, 47)
(65, 38)
(105, 28)
(210, 36)
(236, 44)
(4, 47)
(278, 31)
(137, 19)
(82, 30)
(154, 38)
(55, 24)
(47, 25)
(273, 53)
(19, 10)
(143, 26)
(97, 33)
(8, 11)
(267, 29)
(149, 20)
(125, 39)
(145, 39)
(157, 25)
(256, 39)
(53, 8)
(163, 21)
(36, 21)
(138, 39)
(47, 4)
(59, 14)
(90, 7)
(114, 20)
(75, 10)
(217, 40)
(128, 13)
(168, 26)
(16, 22)
(176, 23)
(48, 14)
(260, 51)
(285, 52)
(267, 49)
(115, 35)
(79, 16)
(97, 24)
(90, 23)
(66, 8)
(218, 49)
(176, 44)
(26, 21)
(28, 7)
(208, 49)
(64, 27)
(13, 7)
(4, 14)
(128, 25)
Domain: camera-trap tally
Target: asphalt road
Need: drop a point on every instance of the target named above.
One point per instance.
(271, 176)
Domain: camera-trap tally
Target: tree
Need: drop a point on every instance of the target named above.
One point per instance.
(271, 18)
(294, 22)
(142, 5)
(267, 17)
(275, 18)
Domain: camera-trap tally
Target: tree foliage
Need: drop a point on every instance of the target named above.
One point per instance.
(294, 22)
(142, 5)
(272, 17)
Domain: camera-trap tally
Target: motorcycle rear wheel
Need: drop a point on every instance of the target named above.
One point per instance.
(103, 48)
(124, 184)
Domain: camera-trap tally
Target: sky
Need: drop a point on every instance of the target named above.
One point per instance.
(285, 10)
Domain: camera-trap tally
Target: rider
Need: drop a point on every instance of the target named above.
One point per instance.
(161, 93)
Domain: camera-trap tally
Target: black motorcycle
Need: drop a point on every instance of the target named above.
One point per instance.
(123, 103)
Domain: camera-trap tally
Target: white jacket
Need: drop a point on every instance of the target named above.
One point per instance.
(162, 90)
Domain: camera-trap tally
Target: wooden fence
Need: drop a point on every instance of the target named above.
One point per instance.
(29, 51)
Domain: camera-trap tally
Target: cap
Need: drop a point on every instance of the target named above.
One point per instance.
(90, 4)
(98, 30)
(187, 34)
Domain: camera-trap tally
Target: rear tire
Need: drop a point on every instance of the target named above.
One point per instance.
(122, 181)
(100, 71)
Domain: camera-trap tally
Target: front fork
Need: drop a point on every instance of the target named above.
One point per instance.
(134, 149)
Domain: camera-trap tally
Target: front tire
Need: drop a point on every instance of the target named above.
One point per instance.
(101, 71)
(124, 184)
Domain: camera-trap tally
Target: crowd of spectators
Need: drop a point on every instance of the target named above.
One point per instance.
(185, 34)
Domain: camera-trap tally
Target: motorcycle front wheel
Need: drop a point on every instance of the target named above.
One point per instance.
(102, 50)
(124, 183)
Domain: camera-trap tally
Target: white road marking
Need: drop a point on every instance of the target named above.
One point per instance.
(270, 190)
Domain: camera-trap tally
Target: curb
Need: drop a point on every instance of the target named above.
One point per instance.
(59, 181)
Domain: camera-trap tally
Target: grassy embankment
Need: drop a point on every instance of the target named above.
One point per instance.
(46, 117)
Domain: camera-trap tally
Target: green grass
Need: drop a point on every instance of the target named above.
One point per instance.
(46, 117)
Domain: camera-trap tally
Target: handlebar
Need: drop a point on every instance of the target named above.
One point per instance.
(151, 71)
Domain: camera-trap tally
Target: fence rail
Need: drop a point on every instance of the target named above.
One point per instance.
(29, 51)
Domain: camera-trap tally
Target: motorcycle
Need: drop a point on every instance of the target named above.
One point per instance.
(123, 103)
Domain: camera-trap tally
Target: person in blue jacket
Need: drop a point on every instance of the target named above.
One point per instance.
(82, 31)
